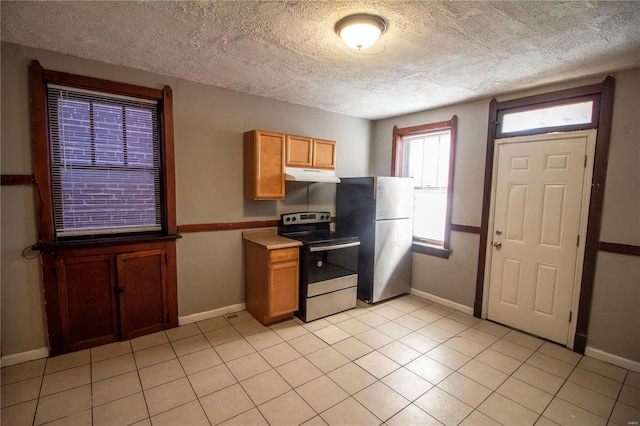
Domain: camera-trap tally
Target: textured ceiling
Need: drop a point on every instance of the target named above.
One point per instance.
(434, 53)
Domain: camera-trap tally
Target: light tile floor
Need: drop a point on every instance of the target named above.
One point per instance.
(403, 362)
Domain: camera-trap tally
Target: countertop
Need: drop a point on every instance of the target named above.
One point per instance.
(270, 239)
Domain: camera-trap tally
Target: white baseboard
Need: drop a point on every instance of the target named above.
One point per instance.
(18, 358)
(441, 301)
(612, 359)
(21, 357)
(201, 316)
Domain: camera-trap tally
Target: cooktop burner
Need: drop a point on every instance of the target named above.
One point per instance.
(310, 228)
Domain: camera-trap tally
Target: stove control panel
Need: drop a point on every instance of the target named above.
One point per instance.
(305, 217)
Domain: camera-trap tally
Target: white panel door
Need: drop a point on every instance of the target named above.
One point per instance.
(537, 209)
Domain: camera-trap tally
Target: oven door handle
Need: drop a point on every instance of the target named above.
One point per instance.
(334, 247)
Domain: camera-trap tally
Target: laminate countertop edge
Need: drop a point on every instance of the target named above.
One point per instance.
(270, 239)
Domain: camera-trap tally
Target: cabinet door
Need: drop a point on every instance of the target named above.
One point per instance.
(283, 287)
(88, 307)
(324, 154)
(299, 151)
(264, 165)
(142, 287)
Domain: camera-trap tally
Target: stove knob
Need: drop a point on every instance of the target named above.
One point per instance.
(293, 219)
(287, 219)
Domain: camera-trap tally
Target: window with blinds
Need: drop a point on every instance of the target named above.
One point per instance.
(105, 163)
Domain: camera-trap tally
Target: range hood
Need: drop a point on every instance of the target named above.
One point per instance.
(297, 174)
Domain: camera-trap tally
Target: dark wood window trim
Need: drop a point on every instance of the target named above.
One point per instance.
(38, 79)
(603, 94)
(397, 157)
(123, 296)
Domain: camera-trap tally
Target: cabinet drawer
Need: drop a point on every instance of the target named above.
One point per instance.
(283, 254)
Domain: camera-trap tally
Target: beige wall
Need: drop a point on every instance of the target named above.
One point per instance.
(614, 324)
(613, 327)
(453, 279)
(209, 123)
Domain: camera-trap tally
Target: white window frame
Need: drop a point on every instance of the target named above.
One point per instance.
(436, 248)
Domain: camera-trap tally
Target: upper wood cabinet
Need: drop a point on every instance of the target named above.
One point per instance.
(264, 165)
(324, 154)
(303, 151)
(299, 151)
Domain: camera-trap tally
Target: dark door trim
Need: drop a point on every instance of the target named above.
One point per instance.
(603, 92)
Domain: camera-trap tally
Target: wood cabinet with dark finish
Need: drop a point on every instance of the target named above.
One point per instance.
(87, 300)
(143, 299)
(103, 294)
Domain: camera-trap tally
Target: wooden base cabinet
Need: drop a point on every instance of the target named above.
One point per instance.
(105, 294)
(142, 281)
(271, 282)
(87, 302)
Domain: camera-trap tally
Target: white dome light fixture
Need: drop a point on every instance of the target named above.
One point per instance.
(360, 31)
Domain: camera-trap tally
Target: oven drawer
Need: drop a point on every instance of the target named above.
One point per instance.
(335, 284)
(330, 303)
(279, 255)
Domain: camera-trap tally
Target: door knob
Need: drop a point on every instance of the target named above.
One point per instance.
(498, 231)
(497, 245)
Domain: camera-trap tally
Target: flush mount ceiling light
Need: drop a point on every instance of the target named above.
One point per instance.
(360, 31)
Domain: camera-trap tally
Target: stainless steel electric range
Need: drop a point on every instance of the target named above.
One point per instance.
(328, 264)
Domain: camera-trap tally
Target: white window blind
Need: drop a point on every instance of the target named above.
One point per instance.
(105, 163)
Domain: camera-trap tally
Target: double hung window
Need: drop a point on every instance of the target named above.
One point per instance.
(105, 163)
(103, 158)
(427, 161)
(426, 153)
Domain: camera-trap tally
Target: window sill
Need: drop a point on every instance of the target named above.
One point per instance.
(430, 250)
(103, 242)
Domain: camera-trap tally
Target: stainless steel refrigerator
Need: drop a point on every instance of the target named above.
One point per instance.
(379, 210)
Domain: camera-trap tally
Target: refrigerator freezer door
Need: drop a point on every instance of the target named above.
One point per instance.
(394, 198)
(392, 264)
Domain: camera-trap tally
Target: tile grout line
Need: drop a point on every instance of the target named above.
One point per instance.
(472, 358)
(378, 380)
(35, 412)
(186, 376)
(615, 401)
(91, 384)
(541, 415)
(135, 362)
